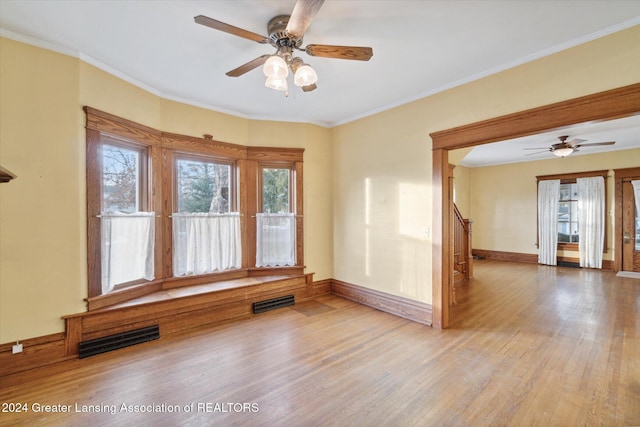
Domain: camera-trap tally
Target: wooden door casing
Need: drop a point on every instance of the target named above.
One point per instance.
(627, 257)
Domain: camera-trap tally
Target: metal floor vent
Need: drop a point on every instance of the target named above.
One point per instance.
(568, 264)
(272, 304)
(116, 341)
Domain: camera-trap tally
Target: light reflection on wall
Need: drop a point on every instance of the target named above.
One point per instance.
(413, 226)
(367, 225)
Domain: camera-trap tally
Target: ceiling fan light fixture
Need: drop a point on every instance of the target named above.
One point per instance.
(276, 68)
(305, 76)
(563, 152)
(276, 83)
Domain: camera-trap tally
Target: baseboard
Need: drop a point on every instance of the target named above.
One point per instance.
(506, 256)
(529, 258)
(36, 352)
(322, 287)
(398, 306)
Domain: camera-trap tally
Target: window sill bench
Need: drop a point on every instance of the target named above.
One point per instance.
(186, 307)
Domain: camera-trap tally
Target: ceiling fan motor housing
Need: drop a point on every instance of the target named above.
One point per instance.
(278, 36)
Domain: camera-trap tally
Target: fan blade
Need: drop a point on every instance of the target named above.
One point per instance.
(538, 148)
(533, 154)
(595, 143)
(309, 88)
(221, 26)
(340, 52)
(303, 13)
(573, 142)
(248, 66)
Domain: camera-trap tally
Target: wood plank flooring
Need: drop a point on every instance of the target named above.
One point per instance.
(530, 346)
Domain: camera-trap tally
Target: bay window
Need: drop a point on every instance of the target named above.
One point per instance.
(167, 210)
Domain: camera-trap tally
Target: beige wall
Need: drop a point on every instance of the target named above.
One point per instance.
(42, 212)
(42, 251)
(391, 151)
(503, 199)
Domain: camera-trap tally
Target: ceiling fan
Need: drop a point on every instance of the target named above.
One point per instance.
(565, 148)
(285, 34)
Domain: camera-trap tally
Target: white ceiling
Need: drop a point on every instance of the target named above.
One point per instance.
(625, 132)
(420, 47)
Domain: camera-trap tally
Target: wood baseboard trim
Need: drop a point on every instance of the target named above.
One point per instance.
(36, 352)
(322, 287)
(399, 306)
(506, 256)
(529, 258)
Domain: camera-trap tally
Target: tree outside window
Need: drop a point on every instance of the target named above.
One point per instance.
(202, 186)
(120, 179)
(276, 190)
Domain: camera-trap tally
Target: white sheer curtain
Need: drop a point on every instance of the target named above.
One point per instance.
(276, 240)
(127, 248)
(205, 243)
(591, 217)
(636, 195)
(548, 198)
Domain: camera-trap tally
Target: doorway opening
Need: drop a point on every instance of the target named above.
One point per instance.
(608, 105)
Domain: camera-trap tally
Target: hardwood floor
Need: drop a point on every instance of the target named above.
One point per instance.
(530, 345)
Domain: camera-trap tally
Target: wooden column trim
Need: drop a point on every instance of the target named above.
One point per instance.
(602, 106)
(619, 176)
(73, 335)
(440, 240)
(299, 204)
(94, 190)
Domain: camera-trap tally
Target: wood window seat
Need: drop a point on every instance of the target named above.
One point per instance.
(185, 307)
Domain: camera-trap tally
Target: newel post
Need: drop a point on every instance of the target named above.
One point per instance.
(468, 250)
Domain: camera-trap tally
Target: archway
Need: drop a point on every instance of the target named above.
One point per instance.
(607, 105)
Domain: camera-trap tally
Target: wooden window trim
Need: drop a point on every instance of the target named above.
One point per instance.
(257, 158)
(103, 126)
(162, 148)
(567, 178)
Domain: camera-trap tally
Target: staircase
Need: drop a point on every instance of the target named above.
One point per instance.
(462, 257)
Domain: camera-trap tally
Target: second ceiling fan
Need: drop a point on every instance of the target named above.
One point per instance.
(285, 34)
(565, 148)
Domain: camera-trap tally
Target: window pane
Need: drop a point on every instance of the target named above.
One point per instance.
(568, 214)
(120, 179)
(202, 186)
(275, 190)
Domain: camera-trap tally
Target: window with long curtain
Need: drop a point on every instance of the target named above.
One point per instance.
(276, 224)
(591, 217)
(579, 209)
(127, 230)
(206, 224)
